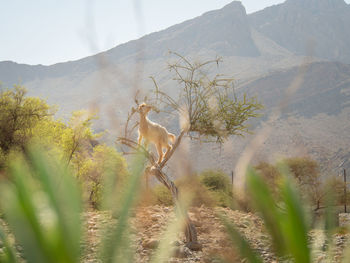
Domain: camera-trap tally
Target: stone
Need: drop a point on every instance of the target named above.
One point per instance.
(344, 219)
(150, 244)
(195, 246)
(180, 252)
(196, 223)
(156, 217)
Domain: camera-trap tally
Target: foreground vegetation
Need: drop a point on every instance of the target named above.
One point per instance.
(42, 205)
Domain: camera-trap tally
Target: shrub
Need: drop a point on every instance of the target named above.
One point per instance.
(193, 185)
(163, 195)
(200, 194)
(219, 186)
(216, 180)
(222, 199)
(270, 174)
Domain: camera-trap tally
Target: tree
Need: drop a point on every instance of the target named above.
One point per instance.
(208, 107)
(306, 172)
(103, 160)
(19, 115)
(270, 174)
(25, 120)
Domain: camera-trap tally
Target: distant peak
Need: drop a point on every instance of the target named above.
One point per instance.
(235, 5)
(323, 4)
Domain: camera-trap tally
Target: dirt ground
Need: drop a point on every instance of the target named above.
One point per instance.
(148, 224)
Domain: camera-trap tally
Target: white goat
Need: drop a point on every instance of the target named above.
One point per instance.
(154, 132)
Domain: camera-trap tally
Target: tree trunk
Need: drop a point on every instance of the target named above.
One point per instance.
(190, 231)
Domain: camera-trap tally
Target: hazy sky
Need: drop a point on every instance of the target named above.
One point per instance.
(51, 31)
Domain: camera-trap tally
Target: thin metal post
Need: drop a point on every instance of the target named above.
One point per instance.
(345, 194)
(232, 177)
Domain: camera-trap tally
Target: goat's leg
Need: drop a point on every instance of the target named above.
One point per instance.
(139, 140)
(146, 144)
(160, 152)
(168, 149)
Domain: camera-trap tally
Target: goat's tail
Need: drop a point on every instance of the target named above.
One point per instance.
(171, 137)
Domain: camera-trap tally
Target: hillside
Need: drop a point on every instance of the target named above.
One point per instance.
(262, 51)
(308, 27)
(314, 123)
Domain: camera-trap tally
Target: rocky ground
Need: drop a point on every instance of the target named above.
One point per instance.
(149, 223)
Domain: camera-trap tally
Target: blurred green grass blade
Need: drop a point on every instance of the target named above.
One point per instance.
(21, 213)
(43, 214)
(263, 201)
(64, 198)
(8, 254)
(241, 243)
(165, 249)
(113, 243)
(295, 228)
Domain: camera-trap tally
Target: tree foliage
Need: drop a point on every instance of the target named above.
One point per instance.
(307, 175)
(207, 105)
(30, 120)
(19, 115)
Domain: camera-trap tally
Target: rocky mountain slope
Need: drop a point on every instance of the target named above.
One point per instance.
(264, 51)
(315, 121)
(308, 27)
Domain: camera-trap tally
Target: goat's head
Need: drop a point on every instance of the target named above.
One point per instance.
(144, 108)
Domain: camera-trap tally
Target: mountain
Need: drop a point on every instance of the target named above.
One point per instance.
(308, 27)
(314, 123)
(264, 51)
(324, 89)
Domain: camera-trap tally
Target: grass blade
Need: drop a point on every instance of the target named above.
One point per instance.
(263, 201)
(64, 198)
(241, 243)
(115, 241)
(8, 254)
(295, 228)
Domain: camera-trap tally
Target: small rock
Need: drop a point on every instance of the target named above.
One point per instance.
(151, 243)
(176, 243)
(196, 223)
(180, 252)
(156, 217)
(195, 246)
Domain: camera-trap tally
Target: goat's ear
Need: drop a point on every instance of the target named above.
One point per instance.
(133, 110)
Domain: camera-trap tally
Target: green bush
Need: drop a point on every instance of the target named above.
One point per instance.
(222, 199)
(219, 187)
(216, 180)
(191, 184)
(163, 195)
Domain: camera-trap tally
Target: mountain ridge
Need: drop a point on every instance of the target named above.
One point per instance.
(263, 51)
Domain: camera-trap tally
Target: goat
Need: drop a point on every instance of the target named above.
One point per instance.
(154, 132)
